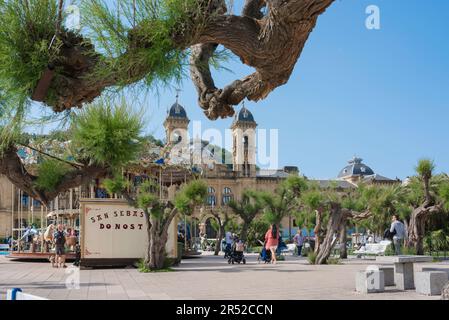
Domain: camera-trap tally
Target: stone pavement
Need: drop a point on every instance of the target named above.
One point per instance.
(208, 277)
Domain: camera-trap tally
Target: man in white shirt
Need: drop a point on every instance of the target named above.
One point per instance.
(399, 229)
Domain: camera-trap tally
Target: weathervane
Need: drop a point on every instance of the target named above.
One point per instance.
(177, 94)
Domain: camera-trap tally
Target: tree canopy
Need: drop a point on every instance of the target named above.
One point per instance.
(128, 42)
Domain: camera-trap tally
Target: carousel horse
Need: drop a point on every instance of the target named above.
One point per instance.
(28, 238)
(48, 237)
(71, 239)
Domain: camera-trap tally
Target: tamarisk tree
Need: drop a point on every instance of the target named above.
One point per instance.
(247, 208)
(102, 138)
(341, 206)
(124, 42)
(426, 194)
(159, 213)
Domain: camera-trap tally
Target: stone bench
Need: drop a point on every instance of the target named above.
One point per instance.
(430, 282)
(388, 275)
(370, 280)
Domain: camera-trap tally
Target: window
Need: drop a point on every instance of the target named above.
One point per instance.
(227, 199)
(210, 190)
(211, 200)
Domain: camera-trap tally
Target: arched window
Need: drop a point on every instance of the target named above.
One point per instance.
(210, 190)
(227, 190)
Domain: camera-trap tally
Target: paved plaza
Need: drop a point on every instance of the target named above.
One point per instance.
(208, 277)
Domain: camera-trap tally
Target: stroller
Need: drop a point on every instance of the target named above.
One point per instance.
(265, 255)
(237, 253)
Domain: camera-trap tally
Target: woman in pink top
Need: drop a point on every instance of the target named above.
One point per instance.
(272, 241)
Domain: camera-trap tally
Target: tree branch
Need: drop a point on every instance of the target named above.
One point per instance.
(270, 44)
(12, 167)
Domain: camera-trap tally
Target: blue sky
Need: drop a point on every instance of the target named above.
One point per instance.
(382, 94)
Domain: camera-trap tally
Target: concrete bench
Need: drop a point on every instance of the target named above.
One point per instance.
(430, 282)
(370, 280)
(388, 275)
(436, 269)
(403, 269)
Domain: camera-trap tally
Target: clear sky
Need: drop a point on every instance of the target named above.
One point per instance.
(382, 95)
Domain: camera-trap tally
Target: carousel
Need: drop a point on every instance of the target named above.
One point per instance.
(34, 225)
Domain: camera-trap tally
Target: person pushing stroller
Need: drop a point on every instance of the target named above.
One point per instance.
(237, 252)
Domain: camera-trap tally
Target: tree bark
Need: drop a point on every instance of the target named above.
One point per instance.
(270, 43)
(416, 227)
(244, 233)
(157, 229)
(12, 167)
(334, 225)
(337, 220)
(342, 240)
(317, 230)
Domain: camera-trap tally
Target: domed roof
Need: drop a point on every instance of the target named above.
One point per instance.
(244, 115)
(355, 168)
(177, 111)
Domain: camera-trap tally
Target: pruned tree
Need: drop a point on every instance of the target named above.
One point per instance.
(125, 42)
(427, 195)
(222, 219)
(159, 214)
(247, 208)
(341, 207)
(102, 138)
(285, 199)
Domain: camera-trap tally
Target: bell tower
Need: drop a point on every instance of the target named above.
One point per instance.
(176, 124)
(244, 143)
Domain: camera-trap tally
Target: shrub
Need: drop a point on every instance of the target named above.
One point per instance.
(312, 257)
(333, 261)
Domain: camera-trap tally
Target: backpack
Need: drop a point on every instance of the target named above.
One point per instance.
(60, 238)
(388, 234)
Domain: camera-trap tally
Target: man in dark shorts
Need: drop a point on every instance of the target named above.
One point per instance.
(60, 247)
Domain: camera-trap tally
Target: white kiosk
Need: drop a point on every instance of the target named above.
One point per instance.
(113, 233)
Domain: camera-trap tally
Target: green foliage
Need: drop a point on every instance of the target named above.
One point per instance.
(425, 168)
(155, 57)
(168, 263)
(26, 31)
(332, 260)
(408, 251)
(443, 193)
(108, 134)
(256, 231)
(147, 200)
(192, 194)
(50, 173)
(389, 251)
(116, 185)
(311, 257)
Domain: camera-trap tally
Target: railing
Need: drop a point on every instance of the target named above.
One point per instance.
(17, 294)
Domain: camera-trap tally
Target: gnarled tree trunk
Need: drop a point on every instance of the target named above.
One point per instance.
(416, 226)
(333, 226)
(317, 229)
(157, 230)
(337, 221)
(270, 41)
(342, 240)
(12, 167)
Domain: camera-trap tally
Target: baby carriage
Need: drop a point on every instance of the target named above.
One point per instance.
(265, 255)
(237, 253)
